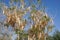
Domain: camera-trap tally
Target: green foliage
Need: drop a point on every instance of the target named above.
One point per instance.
(39, 1)
(56, 36)
(14, 1)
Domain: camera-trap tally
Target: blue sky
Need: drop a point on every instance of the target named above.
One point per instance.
(52, 9)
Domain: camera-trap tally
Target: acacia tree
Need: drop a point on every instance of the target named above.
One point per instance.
(14, 17)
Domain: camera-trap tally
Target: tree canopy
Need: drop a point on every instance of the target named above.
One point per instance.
(41, 23)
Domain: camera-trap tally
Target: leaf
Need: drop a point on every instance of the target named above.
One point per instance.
(12, 8)
(38, 1)
(14, 1)
(50, 27)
